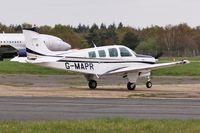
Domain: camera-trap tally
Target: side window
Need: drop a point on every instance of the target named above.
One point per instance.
(102, 53)
(124, 52)
(92, 54)
(113, 52)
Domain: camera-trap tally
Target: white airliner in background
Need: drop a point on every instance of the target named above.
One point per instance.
(17, 42)
(94, 62)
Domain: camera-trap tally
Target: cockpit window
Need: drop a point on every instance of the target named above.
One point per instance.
(124, 52)
(92, 54)
(113, 52)
(102, 53)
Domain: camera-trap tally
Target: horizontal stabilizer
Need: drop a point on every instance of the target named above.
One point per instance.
(44, 59)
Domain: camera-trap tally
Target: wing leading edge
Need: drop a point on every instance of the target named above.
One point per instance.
(147, 67)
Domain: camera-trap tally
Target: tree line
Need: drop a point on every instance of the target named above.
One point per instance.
(171, 40)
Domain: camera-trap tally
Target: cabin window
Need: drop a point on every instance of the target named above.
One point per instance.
(102, 53)
(113, 52)
(92, 54)
(124, 52)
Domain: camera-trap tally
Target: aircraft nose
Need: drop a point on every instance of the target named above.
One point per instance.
(153, 59)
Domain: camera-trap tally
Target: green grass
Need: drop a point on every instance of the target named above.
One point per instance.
(116, 125)
(192, 69)
(8, 67)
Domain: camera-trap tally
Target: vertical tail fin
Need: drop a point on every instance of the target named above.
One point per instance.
(35, 47)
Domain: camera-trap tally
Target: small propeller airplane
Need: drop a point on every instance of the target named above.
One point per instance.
(94, 62)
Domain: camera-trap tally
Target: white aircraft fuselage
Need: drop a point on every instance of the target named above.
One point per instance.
(17, 41)
(100, 60)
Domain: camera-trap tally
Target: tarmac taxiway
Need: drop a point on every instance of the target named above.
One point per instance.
(61, 97)
(59, 108)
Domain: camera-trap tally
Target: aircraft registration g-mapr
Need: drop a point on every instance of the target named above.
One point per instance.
(94, 62)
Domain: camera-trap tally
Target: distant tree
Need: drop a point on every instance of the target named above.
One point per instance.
(18, 29)
(173, 40)
(131, 40)
(94, 27)
(120, 25)
(112, 27)
(110, 38)
(178, 41)
(149, 46)
(68, 35)
(82, 28)
(102, 37)
(26, 25)
(103, 26)
(45, 29)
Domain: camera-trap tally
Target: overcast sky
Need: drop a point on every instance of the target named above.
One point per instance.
(135, 13)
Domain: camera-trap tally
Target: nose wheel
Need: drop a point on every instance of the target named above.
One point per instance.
(131, 86)
(92, 84)
(149, 84)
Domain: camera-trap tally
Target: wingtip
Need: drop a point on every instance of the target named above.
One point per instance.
(185, 61)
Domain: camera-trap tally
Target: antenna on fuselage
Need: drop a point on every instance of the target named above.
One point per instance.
(94, 44)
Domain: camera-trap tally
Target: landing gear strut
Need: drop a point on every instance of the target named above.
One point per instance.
(92, 84)
(131, 86)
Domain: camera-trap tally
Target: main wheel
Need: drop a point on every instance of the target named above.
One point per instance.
(92, 84)
(149, 84)
(131, 86)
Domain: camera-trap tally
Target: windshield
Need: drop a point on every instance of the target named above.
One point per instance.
(131, 51)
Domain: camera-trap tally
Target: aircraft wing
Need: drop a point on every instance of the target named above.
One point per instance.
(147, 67)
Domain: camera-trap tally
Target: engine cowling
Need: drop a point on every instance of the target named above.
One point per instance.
(54, 43)
(22, 53)
(57, 45)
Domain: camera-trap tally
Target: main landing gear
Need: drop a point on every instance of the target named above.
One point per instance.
(131, 86)
(149, 84)
(92, 84)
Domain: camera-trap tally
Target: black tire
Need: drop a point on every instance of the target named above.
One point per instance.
(131, 86)
(92, 84)
(149, 84)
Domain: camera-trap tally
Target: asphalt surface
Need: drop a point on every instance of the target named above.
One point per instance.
(58, 108)
(74, 80)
